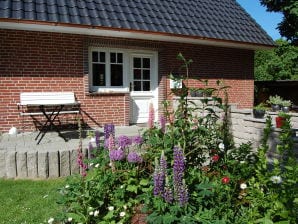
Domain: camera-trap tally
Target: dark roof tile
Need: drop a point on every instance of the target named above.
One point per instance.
(219, 19)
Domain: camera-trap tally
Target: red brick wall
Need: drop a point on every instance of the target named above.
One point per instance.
(39, 61)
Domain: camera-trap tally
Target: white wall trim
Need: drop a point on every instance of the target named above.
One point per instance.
(57, 28)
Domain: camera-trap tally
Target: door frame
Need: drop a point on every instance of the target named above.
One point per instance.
(153, 94)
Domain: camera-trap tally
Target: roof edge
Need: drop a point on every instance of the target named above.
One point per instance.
(43, 26)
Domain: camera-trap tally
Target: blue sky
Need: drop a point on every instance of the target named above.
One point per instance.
(267, 20)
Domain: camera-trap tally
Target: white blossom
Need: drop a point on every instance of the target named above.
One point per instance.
(66, 186)
(69, 219)
(96, 213)
(243, 186)
(276, 179)
(111, 208)
(221, 146)
(51, 220)
(91, 213)
(97, 165)
(122, 214)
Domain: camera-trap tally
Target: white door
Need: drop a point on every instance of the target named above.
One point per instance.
(143, 86)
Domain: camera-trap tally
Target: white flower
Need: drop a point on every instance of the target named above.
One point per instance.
(91, 213)
(242, 162)
(96, 213)
(121, 187)
(91, 164)
(221, 146)
(51, 220)
(276, 179)
(243, 186)
(111, 208)
(66, 186)
(69, 219)
(122, 214)
(97, 165)
(92, 140)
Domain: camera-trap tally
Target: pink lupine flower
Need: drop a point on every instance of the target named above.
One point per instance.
(151, 116)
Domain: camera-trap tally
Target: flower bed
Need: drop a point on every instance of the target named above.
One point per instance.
(187, 171)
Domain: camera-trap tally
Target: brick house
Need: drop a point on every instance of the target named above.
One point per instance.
(116, 55)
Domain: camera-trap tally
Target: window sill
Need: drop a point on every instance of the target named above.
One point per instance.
(108, 92)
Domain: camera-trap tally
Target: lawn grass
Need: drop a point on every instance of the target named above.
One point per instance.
(28, 201)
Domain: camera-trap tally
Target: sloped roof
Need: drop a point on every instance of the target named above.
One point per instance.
(214, 19)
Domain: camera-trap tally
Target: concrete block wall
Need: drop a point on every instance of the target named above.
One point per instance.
(245, 128)
(38, 164)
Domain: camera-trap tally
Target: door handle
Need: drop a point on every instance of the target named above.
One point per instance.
(130, 86)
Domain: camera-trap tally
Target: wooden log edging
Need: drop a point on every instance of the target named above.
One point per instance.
(38, 164)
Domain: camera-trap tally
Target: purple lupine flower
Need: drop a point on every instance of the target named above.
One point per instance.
(97, 138)
(159, 175)
(134, 157)
(162, 123)
(124, 141)
(168, 193)
(180, 188)
(108, 130)
(151, 116)
(116, 155)
(183, 194)
(137, 140)
(157, 179)
(111, 142)
(178, 166)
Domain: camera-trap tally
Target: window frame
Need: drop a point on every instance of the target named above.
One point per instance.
(108, 87)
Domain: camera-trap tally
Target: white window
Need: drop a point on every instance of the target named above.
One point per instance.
(107, 70)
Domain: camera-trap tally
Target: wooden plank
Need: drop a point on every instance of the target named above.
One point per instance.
(47, 98)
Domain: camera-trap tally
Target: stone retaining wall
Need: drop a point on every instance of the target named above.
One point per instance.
(245, 128)
(38, 164)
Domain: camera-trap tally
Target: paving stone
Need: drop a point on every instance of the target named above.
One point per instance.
(64, 163)
(11, 168)
(54, 164)
(21, 164)
(74, 167)
(43, 165)
(2, 163)
(32, 164)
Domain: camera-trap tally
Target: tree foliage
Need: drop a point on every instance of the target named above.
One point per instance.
(288, 27)
(280, 63)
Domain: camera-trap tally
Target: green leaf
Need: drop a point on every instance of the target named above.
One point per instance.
(289, 168)
(132, 188)
(144, 182)
(265, 220)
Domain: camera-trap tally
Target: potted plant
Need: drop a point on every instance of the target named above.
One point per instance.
(259, 110)
(285, 105)
(275, 102)
(280, 119)
(208, 92)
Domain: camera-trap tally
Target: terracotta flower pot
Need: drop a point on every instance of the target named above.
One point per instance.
(279, 121)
